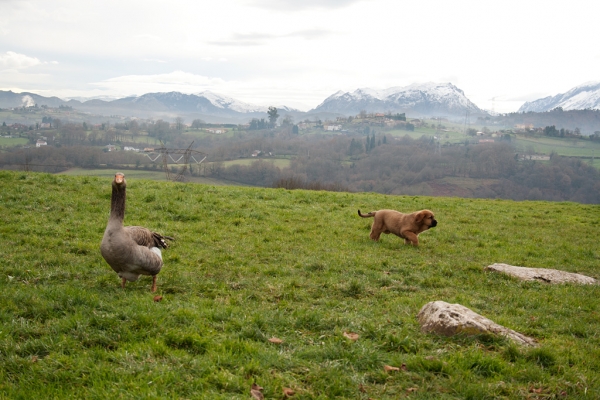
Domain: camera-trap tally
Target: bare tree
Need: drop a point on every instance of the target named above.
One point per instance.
(179, 124)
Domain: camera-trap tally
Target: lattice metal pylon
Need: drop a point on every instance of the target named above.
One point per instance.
(185, 154)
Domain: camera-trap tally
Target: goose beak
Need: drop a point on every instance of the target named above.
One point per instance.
(119, 178)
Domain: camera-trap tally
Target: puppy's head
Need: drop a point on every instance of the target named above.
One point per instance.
(426, 218)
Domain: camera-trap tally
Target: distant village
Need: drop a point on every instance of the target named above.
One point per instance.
(362, 122)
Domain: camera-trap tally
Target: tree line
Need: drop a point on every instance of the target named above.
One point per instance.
(415, 167)
(354, 162)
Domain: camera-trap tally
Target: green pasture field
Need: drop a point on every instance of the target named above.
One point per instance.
(278, 162)
(251, 265)
(444, 137)
(144, 139)
(9, 142)
(202, 133)
(157, 175)
(562, 146)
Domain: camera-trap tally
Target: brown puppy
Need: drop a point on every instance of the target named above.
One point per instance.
(407, 226)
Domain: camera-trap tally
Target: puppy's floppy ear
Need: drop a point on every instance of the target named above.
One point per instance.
(420, 216)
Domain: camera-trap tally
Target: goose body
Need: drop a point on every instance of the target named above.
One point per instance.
(130, 251)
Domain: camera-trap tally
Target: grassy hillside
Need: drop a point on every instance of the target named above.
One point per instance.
(156, 175)
(251, 264)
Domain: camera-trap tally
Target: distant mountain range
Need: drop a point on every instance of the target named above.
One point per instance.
(418, 100)
(586, 96)
(428, 99)
(208, 106)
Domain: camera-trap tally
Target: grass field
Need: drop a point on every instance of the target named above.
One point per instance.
(143, 140)
(278, 162)
(9, 142)
(250, 264)
(157, 175)
(563, 147)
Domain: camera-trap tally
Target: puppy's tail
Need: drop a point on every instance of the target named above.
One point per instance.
(369, 215)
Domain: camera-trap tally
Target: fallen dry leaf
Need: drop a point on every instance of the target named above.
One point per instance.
(287, 392)
(256, 392)
(412, 389)
(275, 340)
(34, 359)
(157, 298)
(534, 390)
(403, 367)
(351, 335)
(389, 368)
(361, 388)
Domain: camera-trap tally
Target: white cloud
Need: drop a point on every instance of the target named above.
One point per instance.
(259, 91)
(295, 5)
(12, 60)
(174, 81)
(27, 101)
(154, 60)
(259, 39)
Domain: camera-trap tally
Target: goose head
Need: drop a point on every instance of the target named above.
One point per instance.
(119, 180)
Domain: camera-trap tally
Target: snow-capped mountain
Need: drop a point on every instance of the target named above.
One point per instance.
(209, 106)
(230, 103)
(581, 97)
(428, 99)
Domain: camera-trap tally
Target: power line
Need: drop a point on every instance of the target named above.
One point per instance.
(185, 154)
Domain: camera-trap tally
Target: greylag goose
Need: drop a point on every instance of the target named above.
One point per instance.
(131, 251)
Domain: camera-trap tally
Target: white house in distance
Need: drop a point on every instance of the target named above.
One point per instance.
(40, 142)
(217, 131)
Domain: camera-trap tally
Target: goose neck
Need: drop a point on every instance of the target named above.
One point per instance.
(117, 203)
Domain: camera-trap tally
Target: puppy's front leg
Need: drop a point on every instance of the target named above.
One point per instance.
(410, 238)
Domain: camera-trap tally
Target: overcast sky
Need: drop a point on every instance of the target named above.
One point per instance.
(298, 52)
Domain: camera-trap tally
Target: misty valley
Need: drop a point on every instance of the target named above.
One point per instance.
(389, 154)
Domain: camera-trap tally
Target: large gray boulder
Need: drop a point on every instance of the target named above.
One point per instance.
(542, 274)
(453, 319)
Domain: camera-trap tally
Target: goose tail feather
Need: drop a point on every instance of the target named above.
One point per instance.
(159, 240)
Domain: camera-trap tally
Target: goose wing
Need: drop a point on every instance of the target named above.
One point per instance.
(145, 237)
(128, 258)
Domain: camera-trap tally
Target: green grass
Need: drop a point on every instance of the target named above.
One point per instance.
(563, 147)
(9, 142)
(278, 162)
(157, 175)
(143, 140)
(249, 264)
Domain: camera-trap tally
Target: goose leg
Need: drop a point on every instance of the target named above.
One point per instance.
(153, 284)
(123, 283)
